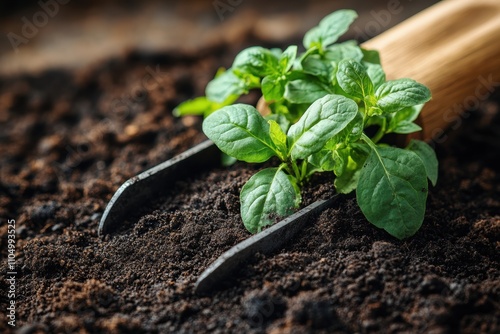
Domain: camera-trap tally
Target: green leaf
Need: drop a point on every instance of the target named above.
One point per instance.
(197, 106)
(315, 65)
(410, 113)
(304, 91)
(428, 157)
(402, 121)
(227, 160)
(322, 120)
(323, 160)
(279, 115)
(354, 159)
(371, 56)
(371, 60)
(277, 52)
(269, 194)
(376, 74)
(241, 132)
(273, 88)
(329, 29)
(346, 50)
(406, 127)
(201, 106)
(257, 61)
(348, 181)
(395, 95)
(341, 158)
(392, 191)
(278, 137)
(248, 80)
(351, 133)
(223, 86)
(287, 58)
(354, 80)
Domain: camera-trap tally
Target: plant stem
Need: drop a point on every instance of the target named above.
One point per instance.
(287, 168)
(296, 172)
(381, 132)
(367, 140)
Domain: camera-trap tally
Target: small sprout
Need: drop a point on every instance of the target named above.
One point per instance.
(320, 103)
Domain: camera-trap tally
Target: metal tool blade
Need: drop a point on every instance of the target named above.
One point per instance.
(264, 242)
(144, 187)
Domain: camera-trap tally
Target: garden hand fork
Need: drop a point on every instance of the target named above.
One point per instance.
(451, 47)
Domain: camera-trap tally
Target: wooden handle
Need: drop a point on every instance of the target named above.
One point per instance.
(452, 47)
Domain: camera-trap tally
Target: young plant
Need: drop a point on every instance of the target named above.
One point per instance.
(288, 82)
(391, 183)
(321, 103)
(240, 131)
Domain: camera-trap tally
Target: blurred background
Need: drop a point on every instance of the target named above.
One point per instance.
(37, 35)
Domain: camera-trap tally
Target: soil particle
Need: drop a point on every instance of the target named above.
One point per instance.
(314, 310)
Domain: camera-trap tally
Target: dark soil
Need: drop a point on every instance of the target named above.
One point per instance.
(68, 140)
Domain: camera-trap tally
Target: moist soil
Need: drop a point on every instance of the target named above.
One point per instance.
(68, 139)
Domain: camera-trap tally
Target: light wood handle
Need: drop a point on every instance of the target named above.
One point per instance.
(452, 47)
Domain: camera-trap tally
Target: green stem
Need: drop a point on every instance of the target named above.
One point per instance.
(381, 132)
(296, 171)
(287, 168)
(304, 170)
(367, 140)
(365, 111)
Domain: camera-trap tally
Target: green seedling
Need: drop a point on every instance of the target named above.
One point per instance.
(330, 108)
(289, 82)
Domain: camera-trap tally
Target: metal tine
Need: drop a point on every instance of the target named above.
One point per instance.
(144, 187)
(264, 242)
